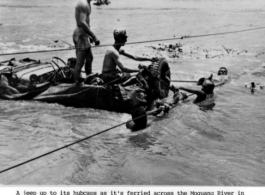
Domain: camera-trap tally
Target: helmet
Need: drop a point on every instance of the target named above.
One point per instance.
(120, 33)
(200, 81)
(222, 71)
(208, 84)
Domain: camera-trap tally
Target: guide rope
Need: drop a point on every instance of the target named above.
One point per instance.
(73, 143)
(86, 138)
(137, 42)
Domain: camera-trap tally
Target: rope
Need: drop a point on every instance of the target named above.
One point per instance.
(65, 146)
(138, 42)
(78, 141)
(181, 81)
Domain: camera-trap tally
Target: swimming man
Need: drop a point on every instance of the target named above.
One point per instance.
(206, 92)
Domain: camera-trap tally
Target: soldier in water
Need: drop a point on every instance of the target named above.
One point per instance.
(204, 94)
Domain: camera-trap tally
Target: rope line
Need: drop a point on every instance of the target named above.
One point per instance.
(78, 141)
(73, 143)
(138, 42)
(182, 81)
(65, 146)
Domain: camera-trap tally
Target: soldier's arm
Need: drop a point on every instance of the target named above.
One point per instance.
(119, 63)
(135, 57)
(195, 91)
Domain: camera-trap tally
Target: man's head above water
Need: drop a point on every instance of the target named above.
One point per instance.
(208, 86)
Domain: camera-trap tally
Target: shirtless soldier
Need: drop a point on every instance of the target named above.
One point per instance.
(113, 67)
(83, 37)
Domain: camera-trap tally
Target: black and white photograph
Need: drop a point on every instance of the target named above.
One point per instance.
(132, 93)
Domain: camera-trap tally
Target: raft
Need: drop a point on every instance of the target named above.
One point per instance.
(52, 82)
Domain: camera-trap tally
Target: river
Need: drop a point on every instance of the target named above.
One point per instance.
(223, 146)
